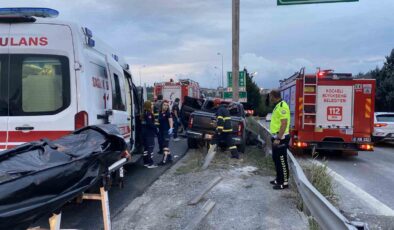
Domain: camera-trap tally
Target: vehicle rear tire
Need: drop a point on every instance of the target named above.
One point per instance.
(192, 143)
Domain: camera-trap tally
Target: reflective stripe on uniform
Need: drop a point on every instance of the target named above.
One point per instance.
(220, 127)
(227, 118)
(220, 117)
(227, 130)
(233, 147)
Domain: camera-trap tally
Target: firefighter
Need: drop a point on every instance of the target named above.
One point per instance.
(279, 128)
(165, 131)
(149, 131)
(156, 112)
(224, 129)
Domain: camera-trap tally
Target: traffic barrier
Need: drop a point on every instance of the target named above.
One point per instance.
(326, 215)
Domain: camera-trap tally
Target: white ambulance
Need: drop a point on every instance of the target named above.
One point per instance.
(56, 77)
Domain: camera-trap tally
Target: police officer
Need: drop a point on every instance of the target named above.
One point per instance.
(149, 131)
(279, 128)
(224, 129)
(156, 112)
(165, 131)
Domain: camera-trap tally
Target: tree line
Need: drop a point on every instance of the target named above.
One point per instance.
(384, 101)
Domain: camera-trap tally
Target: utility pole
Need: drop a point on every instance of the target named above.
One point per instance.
(235, 69)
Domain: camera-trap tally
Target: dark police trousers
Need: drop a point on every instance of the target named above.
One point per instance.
(279, 156)
(149, 145)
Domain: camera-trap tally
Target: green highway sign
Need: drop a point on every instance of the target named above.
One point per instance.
(228, 96)
(241, 79)
(296, 2)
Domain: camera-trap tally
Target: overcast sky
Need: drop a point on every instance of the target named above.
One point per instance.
(165, 39)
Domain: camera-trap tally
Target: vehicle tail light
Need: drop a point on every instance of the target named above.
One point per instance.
(240, 129)
(81, 120)
(380, 125)
(366, 147)
(300, 144)
(190, 122)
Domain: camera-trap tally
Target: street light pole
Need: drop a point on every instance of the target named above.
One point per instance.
(219, 53)
(140, 74)
(217, 76)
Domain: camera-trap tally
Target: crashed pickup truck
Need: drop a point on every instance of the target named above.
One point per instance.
(202, 123)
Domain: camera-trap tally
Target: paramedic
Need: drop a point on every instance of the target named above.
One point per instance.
(165, 131)
(156, 112)
(149, 132)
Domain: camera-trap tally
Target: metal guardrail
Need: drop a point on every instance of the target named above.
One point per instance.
(326, 215)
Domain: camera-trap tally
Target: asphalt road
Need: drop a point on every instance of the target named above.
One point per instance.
(371, 171)
(88, 215)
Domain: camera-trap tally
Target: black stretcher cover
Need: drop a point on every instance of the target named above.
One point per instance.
(38, 178)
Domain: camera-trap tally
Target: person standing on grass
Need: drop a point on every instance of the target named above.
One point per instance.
(149, 131)
(279, 128)
(165, 131)
(176, 118)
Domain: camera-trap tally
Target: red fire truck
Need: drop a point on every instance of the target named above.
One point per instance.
(172, 90)
(330, 111)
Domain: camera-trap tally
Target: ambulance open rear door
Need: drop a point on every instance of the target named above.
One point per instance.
(118, 114)
(4, 105)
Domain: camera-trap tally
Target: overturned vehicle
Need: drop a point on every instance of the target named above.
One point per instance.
(38, 178)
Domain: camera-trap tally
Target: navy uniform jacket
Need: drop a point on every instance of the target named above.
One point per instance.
(148, 124)
(223, 120)
(163, 120)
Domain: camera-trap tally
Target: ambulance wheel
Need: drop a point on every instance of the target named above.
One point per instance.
(192, 143)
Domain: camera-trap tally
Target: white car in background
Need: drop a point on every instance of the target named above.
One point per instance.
(383, 127)
(268, 117)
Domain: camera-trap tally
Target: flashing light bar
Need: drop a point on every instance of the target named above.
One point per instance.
(29, 12)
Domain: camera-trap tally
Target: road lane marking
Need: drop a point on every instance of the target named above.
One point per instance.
(379, 207)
